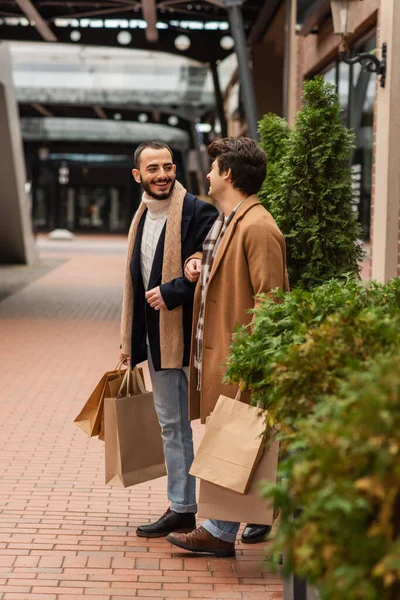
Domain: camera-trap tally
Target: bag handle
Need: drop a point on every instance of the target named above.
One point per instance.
(139, 380)
(126, 382)
(239, 395)
(119, 366)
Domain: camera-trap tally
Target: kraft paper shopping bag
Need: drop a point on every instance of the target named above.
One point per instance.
(133, 445)
(216, 502)
(89, 419)
(111, 391)
(232, 445)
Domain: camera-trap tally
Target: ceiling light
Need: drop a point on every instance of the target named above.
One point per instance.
(124, 38)
(182, 42)
(173, 120)
(227, 42)
(75, 36)
(203, 127)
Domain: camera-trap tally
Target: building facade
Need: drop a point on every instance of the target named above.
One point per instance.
(371, 110)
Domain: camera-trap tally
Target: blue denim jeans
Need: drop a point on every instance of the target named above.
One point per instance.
(224, 530)
(170, 392)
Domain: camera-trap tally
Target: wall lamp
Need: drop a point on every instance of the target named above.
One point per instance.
(344, 14)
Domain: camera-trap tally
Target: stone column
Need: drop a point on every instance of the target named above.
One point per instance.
(385, 216)
(17, 244)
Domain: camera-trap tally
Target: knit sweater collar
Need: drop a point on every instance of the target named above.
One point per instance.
(156, 208)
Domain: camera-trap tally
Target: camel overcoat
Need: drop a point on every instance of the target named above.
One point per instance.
(251, 259)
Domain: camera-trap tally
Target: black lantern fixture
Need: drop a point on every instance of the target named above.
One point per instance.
(344, 16)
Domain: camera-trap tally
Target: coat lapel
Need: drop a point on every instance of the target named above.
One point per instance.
(156, 269)
(246, 206)
(135, 261)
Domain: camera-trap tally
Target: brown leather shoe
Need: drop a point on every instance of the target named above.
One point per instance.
(199, 540)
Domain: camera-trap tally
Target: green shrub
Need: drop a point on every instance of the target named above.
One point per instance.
(274, 132)
(343, 468)
(310, 191)
(297, 349)
(325, 365)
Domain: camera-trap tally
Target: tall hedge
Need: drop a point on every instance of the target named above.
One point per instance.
(274, 133)
(312, 193)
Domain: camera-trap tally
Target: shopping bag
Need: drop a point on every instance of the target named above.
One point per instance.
(216, 502)
(232, 445)
(111, 391)
(133, 445)
(89, 419)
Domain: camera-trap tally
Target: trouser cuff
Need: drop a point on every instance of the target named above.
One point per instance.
(218, 533)
(183, 508)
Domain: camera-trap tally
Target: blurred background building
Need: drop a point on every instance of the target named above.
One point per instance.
(83, 82)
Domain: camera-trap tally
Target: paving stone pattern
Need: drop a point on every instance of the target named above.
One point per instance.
(64, 535)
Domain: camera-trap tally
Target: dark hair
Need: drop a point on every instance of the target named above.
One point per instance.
(245, 158)
(154, 145)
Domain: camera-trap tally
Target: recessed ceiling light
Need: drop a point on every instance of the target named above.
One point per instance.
(75, 36)
(227, 42)
(182, 42)
(124, 38)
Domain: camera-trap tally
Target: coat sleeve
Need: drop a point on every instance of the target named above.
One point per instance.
(179, 291)
(266, 258)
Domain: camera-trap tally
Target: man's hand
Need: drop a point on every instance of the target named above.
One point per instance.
(124, 358)
(155, 299)
(192, 269)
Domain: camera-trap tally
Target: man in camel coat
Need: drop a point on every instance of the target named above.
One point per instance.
(243, 255)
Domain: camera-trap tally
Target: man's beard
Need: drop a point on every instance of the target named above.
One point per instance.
(160, 195)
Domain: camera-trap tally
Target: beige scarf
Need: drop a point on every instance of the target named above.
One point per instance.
(171, 324)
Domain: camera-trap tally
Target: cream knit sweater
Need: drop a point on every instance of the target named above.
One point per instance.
(157, 212)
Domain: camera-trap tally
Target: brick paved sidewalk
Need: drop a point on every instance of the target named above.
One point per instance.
(63, 533)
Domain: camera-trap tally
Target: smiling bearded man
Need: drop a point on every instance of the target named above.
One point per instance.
(169, 226)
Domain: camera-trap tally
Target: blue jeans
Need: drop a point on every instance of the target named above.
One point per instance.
(224, 530)
(170, 393)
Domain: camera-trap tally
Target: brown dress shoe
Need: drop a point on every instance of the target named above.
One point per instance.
(199, 540)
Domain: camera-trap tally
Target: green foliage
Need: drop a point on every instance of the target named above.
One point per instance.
(325, 365)
(274, 132)
(309, 190)
(296, 349)
(343, 468)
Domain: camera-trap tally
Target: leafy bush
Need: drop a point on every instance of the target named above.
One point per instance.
(325, 365)
(274, 132)
(309, 190)
(343, 468)
(297, 349)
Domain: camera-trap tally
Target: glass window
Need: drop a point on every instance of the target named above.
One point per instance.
(356, 89)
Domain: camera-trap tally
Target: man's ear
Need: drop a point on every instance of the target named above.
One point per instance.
(136, 175)
(174, 167)
(227, 175)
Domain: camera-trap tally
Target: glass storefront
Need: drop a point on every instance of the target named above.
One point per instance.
(356, 89)
(93, 208)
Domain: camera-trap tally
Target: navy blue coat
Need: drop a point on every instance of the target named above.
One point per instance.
(197, 219)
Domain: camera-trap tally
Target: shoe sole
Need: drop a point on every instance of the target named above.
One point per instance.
(255, 541)
(216, 553)
(164, 534)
